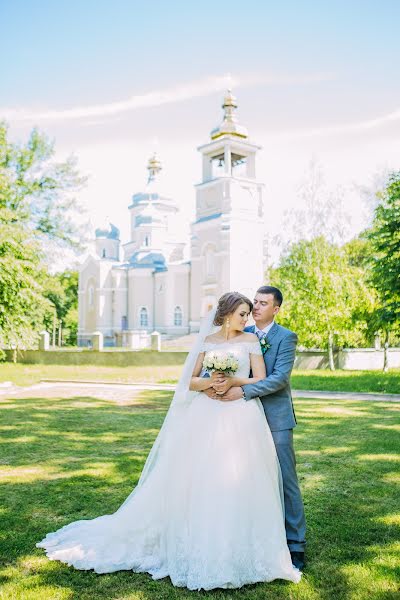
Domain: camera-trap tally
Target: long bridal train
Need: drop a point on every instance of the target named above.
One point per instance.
(209, 511)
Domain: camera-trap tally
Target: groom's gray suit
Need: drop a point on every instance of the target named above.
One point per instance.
(276, 397)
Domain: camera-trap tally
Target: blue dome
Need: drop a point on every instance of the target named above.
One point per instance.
(109, 231)
(150, 260)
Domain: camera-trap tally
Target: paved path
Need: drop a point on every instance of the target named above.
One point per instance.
(123, 391)
(346, 396)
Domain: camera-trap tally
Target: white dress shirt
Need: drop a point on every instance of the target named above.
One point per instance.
(265, 330)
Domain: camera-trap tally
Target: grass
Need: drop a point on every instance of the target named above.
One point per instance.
(64, 459)
(21, 374)
(347, 381)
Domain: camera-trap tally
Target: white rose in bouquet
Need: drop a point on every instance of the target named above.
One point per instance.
(220, 361)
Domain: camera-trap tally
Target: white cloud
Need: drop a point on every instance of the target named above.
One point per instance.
(357, 127)
(178, 93)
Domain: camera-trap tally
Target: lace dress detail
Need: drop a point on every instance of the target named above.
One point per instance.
(210, 515)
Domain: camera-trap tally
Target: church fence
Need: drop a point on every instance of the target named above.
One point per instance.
(348, 359)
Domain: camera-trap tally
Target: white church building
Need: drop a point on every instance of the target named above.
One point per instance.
(146, 285)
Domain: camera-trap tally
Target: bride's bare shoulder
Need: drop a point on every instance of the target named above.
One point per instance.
(249, 337)
(211, 338)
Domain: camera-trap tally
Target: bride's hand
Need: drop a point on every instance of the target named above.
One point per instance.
(217, 377)
(223, 386)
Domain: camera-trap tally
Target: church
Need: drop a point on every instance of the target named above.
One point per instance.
(127, 291)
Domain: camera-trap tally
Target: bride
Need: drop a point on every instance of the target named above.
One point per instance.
(208, 508)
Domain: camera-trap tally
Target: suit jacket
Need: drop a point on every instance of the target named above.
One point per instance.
(274, 391)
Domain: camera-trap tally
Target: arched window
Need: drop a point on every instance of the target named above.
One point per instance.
(178, 316)
(91, 295)
(144, 317)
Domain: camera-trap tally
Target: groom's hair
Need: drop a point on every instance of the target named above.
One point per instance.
(269, 289)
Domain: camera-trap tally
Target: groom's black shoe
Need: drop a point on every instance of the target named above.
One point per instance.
(298, 559)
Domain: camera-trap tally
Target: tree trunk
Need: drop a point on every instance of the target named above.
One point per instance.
(385, 353)
(54, 331)
(330, 352)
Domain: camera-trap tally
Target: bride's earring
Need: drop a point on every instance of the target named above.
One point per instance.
(227, 323)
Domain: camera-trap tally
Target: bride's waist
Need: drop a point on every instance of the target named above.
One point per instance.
(202, 397)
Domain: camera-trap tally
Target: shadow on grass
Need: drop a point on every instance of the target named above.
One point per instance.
(69, 459)
(345, 452)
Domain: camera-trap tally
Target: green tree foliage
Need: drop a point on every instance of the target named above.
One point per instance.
(323, 293)
(62, 291)
(358, 252)
(37, 209)
(384, 259)
(38, 191)
(22, 305)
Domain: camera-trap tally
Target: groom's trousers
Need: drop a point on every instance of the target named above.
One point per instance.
(295, 521)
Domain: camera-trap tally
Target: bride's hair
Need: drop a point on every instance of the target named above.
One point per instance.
(228, 303)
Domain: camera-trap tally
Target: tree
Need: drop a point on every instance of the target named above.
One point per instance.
(39, 192)
(37, 210)
(22, 305)
(384, 260)
(322, 293)
(358, 251)
(320, 210)
(62, 291)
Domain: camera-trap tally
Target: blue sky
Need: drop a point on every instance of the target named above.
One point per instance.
(62, 53)
(314, 80)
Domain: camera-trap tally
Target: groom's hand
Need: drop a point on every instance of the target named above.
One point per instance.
(234, 393)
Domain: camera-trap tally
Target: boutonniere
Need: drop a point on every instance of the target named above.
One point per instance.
(265, 346)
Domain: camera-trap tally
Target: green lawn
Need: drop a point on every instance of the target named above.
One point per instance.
(348, 381)
(64, 459)
(29, 374)
(351, 381)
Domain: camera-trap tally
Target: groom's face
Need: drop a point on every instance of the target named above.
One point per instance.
(264, 309)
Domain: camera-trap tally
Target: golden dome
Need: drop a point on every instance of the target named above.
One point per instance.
(229, 125)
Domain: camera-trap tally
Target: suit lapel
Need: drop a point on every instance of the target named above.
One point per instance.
(272, 332)
(267, 356)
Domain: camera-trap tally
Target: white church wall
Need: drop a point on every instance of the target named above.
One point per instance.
(210, 274)
(172, 291)
(140, 295)
(104, 297)
(195, 299)
(119, 300)
(88, 299)
(245, 240)
(107, 248)
(157, 236)
(91, 306)
(160, 286)
(180, 275)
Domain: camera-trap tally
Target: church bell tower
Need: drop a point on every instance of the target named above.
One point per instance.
(227, 235)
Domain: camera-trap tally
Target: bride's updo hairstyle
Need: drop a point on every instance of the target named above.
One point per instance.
(227, 305)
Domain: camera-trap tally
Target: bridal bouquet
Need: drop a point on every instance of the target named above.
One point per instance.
(225, 362)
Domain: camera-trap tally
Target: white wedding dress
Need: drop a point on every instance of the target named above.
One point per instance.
(209, 514)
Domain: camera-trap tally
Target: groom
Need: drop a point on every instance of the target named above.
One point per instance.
(279, 347)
